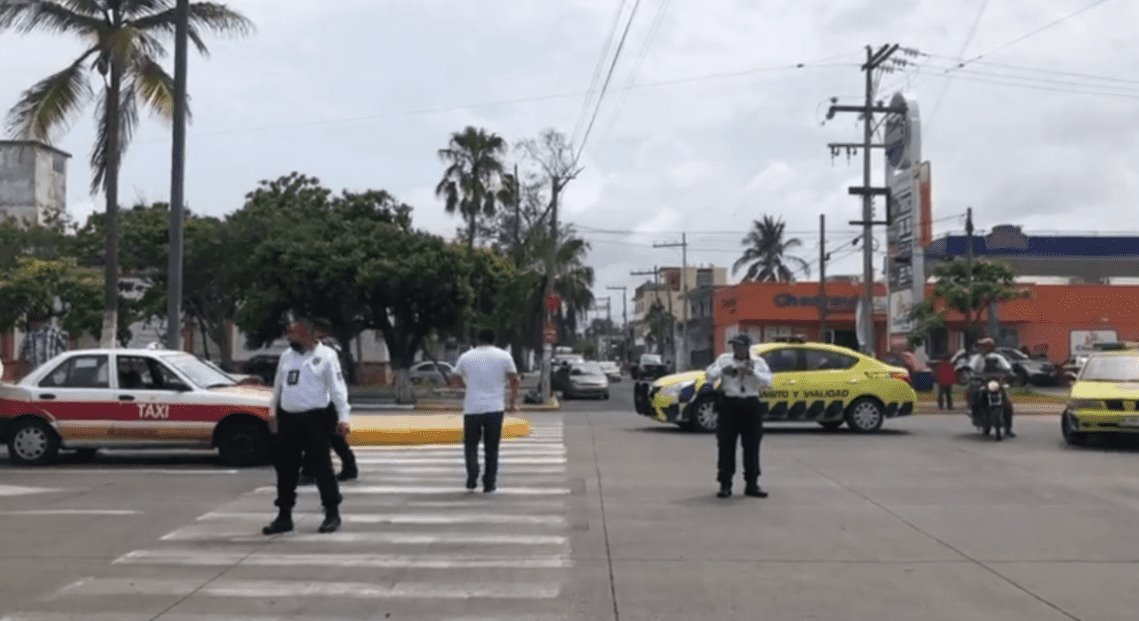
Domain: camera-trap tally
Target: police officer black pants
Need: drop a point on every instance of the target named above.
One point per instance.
(739, 420)
(343, 451)
(306, 434)
(488, 428)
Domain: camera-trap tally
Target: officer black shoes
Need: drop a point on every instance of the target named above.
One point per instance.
(725, 491)
(489, 488)
(755, 492)
(472, 484)
(283, 523)
(347, 475)
(331, 521)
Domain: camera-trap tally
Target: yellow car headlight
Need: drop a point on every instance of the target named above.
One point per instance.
(1085, 404)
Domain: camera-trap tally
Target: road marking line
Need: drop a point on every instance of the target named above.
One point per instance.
(412, 489)
(297, 588)
(457, 459)
(407, 518)
(469, 501)
(457, 471)
(19, 490)
(82, 616)
(64, 470)
(213, 534)
(44, 512)
(199, 558)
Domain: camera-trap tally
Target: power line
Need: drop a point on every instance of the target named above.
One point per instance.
(608, 77)
(959, 62)
(650, 37)
(964, 48)
(1032, 33)
(597, 71)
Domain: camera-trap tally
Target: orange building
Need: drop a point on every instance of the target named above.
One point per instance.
(1053, 320)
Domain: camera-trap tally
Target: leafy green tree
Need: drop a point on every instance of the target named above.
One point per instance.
(473, 182)
(301, 250)
(766, 249)
(413, 285)
(122, 43)
(991, 282)
(51, 287)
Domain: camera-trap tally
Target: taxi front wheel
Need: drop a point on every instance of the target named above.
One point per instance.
(242, 444)
(32, 442)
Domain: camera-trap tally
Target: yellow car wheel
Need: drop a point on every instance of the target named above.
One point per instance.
(865, 415)
(703, 416)
(1068, 428)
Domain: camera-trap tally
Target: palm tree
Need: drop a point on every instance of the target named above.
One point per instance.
(765, 254)
(472, 183)
(123, 44)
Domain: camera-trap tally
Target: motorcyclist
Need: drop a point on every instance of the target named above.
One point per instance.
(985, 364)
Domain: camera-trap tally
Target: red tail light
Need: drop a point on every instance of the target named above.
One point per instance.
(901, 376)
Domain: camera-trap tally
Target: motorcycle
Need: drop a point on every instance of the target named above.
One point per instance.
(990, 404)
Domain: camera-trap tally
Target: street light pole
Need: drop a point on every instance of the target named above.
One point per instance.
(177, 178)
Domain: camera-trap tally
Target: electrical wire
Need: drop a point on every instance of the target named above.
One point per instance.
(1036, 31)
(958, 62)
(608, 78)
(597, 71)
(650, 37)
(964, 48)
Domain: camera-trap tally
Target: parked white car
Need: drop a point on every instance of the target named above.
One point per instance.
(133, 398)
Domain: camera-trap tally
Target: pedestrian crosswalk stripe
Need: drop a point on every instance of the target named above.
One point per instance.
(395, 489)
(213, 534)
(457, 459)
(408, 518)
(174, 616)
(224, 587)
(463, 501)
(455, 470)
(210, 558)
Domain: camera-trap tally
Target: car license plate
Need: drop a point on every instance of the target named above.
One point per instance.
(1130, 421)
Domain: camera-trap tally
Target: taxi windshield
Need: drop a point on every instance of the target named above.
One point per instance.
(200, 373)
(1111, 369)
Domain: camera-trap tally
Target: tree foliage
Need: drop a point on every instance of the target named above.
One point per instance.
(953, 289)
(766, 253)
(51, 287)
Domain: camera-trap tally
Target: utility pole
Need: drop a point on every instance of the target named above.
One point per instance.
(177, 180)
(624, 319)
(551, 254)
(970, 335)
(823, 257)
(683, 245)
(517, 209)
(656, 297)
(874, 59)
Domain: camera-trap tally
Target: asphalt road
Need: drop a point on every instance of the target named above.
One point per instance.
(600, 515)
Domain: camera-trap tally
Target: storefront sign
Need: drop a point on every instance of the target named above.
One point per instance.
(839, 303)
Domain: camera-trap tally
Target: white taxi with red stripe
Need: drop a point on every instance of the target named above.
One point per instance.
(133, 398)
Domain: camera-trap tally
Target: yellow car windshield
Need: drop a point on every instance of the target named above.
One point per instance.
(1121, 369)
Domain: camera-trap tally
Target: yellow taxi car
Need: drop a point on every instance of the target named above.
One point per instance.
(813, 382)
(1105, 397)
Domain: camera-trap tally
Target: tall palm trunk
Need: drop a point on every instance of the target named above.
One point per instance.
(109, 337)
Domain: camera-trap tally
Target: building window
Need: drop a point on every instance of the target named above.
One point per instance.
(59, 164)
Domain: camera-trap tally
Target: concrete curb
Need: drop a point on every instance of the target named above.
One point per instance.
(422, 429)
(450, 406)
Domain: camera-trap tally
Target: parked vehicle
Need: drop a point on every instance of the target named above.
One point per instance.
(1105, 397)
(428, 372)
(585, 380)
(1029, 370)
(612, 370)
(650, 367)
(138, 398)
(813, 382)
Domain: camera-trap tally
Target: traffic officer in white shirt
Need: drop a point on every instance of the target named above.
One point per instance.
(348, 470)
(742, 377)
(308, 380)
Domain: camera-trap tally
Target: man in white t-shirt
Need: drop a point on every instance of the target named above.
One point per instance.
(485, 370)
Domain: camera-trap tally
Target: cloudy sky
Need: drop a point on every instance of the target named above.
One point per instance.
(707, 124)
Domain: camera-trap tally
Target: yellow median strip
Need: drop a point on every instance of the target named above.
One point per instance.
(397, 429)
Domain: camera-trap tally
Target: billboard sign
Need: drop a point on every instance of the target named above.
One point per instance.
(908, 180)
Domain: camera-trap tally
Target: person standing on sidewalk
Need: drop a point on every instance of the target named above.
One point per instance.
(742, 377)
(41, 343)
(348, 470)
(308, 381)
(485, 371)
(946, 377)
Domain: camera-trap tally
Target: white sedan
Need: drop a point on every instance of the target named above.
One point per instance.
(132, 398)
